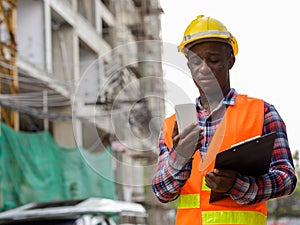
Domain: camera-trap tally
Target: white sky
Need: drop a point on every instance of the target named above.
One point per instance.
(267, 65)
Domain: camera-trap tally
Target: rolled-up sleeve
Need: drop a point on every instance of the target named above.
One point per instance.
(172, 172)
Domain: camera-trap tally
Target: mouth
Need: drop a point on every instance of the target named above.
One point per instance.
(205, 80)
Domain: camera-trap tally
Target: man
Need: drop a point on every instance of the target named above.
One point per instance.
(185, 168)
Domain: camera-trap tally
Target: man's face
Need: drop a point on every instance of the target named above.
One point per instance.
(210, 63)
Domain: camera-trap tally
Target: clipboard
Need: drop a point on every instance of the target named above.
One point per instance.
(251, 157)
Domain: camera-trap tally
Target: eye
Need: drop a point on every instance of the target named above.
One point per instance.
(214, 60)
(195, 60)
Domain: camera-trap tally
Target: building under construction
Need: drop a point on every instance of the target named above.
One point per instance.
(90, 73)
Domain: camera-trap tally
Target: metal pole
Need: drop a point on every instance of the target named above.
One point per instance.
(45, 109)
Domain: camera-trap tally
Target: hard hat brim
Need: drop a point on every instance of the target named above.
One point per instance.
(199, 41)
(185, 48)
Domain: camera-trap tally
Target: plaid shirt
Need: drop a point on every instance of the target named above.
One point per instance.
(173, 170)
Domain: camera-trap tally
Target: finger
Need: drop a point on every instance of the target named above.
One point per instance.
(175, 129)
(199, 142)
(218, 172)
(175, 136)
(191, 139)
(195, 136)
(209, 174)
(224, 173)
(198, 146)
(176, 139)
(200, 137)
(209, 180)
(190, 128)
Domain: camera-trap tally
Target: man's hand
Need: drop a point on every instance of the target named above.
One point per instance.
(188, 141)
(220, 180)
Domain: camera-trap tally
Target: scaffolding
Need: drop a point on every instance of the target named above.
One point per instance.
(8, 53)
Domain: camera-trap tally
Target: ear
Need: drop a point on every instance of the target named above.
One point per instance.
(231, 61)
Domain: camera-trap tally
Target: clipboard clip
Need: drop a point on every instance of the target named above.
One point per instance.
(245, 141)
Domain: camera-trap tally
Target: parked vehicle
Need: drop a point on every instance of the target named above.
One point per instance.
(91, 211)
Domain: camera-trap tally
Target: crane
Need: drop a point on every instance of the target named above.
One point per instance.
(8, 53)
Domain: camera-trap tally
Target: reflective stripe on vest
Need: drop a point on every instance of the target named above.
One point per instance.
(233, 217)
(189, 201)
(192, 201)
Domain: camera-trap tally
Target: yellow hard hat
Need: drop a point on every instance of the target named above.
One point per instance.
(205, 28)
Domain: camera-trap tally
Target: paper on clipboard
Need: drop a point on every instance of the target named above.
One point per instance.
(251, 157)
(185, 115)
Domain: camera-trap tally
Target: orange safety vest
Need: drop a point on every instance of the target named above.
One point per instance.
(242, 121)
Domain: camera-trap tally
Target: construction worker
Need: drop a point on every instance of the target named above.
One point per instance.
(185, 170)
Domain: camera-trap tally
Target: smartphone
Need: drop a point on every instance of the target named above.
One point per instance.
(186, 114)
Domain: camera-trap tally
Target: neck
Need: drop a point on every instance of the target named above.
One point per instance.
(210, 102)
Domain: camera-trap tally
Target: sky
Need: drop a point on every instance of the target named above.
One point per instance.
(267, 65)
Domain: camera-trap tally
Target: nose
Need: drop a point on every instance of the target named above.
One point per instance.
(203, 67)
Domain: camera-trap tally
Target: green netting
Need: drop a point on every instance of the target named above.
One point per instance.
(94, 170)
(34, 168)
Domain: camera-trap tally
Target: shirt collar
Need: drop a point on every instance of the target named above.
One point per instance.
(229, 99)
